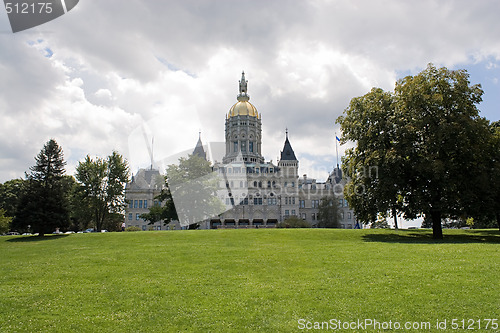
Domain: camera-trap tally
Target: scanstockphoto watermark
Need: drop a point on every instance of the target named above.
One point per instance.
(362, 173)
(388, 325)
(26, 14)
(361, 325)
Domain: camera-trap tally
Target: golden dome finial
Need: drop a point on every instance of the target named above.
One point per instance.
(243, 95)
(243, 106)
(243, 83)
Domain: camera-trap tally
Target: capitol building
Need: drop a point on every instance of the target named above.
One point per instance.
(256, 193)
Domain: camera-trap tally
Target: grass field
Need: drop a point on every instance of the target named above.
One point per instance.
(247, 280)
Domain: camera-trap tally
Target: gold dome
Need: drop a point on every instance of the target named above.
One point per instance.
(243, 108)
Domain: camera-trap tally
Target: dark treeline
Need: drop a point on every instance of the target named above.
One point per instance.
(48, 199)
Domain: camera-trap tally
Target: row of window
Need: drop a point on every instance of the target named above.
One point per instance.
(138, 204)
(256, 201)
(243, 123)
(270, 184)
(247, 170)
(243, 146)
(141, 204)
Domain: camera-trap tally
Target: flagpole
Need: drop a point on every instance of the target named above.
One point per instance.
(337, 149)
(152, 151)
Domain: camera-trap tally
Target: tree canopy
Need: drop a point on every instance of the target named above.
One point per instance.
(103, 186)
(10, 194)
(425, 139)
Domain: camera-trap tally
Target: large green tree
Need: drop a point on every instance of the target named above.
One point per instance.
(373, 166)
(44, 203)
(102, 184)
(425, 143)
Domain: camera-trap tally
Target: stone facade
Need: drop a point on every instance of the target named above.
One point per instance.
(140, 194)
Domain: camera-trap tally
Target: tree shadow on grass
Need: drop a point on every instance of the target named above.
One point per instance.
(425, 237)
(26, 239)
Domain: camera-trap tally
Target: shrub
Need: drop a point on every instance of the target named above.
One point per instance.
(132, 228)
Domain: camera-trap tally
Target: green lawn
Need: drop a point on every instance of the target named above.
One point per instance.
(246, 280)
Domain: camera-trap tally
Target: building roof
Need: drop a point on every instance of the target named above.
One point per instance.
(198, 150)
(288, 154)
(149, 179)
(243, 108)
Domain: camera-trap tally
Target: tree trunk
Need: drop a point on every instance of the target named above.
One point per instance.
(437, 229)
(395, 217)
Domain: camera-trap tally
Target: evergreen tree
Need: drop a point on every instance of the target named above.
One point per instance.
(44, 203)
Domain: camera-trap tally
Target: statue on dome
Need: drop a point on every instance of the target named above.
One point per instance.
(243, 84)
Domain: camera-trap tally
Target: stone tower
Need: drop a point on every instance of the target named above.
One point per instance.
(243, 130)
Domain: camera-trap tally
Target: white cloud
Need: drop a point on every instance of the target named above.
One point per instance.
(95, 77)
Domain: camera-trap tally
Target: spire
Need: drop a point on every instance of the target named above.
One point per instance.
(243, 83)
(199, 151)
(243, 95)
(288, 153)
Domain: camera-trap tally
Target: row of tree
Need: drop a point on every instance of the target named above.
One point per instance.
(434, 155)
(48, 199)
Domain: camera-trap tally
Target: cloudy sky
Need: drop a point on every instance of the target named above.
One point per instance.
(110, 75)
